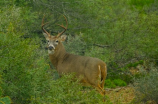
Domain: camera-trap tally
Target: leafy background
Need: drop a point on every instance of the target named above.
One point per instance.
(123, 33)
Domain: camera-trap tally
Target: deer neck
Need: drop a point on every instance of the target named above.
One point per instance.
(58, 55)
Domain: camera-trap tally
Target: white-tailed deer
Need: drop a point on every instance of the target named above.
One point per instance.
(92, 71)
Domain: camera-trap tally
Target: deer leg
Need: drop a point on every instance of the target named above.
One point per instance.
(99, 89)
(102, 85)
(102, 90)
(101, 79)
(96, 83)
(103, 76)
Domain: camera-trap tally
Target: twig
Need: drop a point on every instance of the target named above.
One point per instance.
(102, 46)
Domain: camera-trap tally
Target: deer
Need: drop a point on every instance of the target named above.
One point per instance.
(92, 71)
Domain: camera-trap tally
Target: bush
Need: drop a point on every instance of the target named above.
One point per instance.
(119, 82)
(75, 45)
(19, 66)
(109, 84)
(66, 90)
(113, 83)
(141, 2)
(4, 100)
(17, 59)
(147, 87)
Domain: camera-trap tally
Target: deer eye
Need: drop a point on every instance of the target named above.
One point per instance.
(57, 41)
(47, 41)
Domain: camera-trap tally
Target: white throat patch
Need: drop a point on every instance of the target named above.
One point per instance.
(51, 52)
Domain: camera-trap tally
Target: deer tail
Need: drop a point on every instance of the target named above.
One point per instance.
(102, 75)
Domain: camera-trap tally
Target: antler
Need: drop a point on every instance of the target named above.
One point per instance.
(43, 24)
(65, 28)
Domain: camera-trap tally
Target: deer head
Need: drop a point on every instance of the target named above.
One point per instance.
(54, 41)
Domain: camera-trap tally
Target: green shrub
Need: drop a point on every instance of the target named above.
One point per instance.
(67, 90)
(114, 83)
(16, 60)
(119, 82)
(141, 2)
(135, 64)
(109, 83)
(19, 57)
(147, 87)
(75, 45)
(122, 74)
(4, 100)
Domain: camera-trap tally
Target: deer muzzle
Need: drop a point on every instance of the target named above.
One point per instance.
(51, 47)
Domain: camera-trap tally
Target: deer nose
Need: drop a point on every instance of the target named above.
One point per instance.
(50, 47)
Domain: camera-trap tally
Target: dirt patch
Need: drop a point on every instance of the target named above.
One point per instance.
(121, 95)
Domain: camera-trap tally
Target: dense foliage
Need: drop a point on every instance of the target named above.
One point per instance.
(123, 33)
(4, 100)
(147, 87)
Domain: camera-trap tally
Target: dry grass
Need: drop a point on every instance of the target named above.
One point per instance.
(122, 95)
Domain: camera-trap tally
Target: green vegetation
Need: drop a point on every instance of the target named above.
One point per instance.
(4, 100)
(113, 83)
(123, 33)
(147, 87)
(119, 82)
(140, 3)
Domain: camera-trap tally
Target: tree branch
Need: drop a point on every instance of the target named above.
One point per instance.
(102, 46)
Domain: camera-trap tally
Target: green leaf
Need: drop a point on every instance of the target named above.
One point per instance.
(6, 100)
(1, 102)
(0, 91)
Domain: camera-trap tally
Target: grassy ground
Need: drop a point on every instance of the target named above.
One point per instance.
(121, 95)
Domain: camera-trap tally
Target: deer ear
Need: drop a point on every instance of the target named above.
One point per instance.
(45, 35)
(63, 38)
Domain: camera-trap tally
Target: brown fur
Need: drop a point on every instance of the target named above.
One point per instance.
(87, 67)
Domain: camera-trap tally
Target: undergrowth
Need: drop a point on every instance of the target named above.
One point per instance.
(147, 87)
